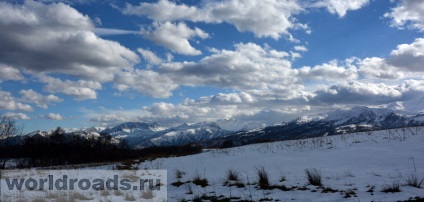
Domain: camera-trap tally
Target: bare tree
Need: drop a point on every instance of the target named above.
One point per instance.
(8, 128)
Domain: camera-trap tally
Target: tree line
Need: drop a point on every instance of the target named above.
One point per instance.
(60, 148)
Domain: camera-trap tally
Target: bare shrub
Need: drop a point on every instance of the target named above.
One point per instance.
(263, 179)
(414, 181)
(232, 175)
(313, 176)
(198, 180)
(391, 188)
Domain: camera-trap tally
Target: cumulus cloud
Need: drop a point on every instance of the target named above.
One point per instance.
(9, 102)
(265, 83)
(295, 55)
(147, 82)
(340, 7)
(174, 37)
(170, 114)
(240, 98)
(30, 96)
(407, 14)
(17, 116)
(149, 56)
(57, 38)
(300, 48)
(402, 62)
(378, 68)
(240, 106)
(331, 71)
(110, 118)
(411, 88)
(9, 73)
(246, 107)
(265, 18)
(232, 98)
(277, 115)
(80, 90)
(189, 111)
(53, 116)
(409, 57)
(356, 92)
(248, 67)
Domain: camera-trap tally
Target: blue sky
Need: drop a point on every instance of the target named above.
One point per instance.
(101, 62)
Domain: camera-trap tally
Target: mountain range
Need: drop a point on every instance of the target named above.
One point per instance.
(215, 134)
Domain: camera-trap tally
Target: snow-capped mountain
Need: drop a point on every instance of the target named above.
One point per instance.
(340, 121)
(138, 134)
(236, 125)
(361, 118)
(201, 132)
(186, 133)
(409, 106)
(133, 129)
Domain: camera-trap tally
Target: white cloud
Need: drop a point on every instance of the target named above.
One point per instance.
(9, 73)
(53, 116)
(331, 71)
(408, 57)
(232, 98)
(277, 54)
(412, 88)
(367, 93)
(17, 116)
(340, 7)
(240, 105)
(169, 57)
(402, 62)
(240, 98)
(326, 72)
(408, 13)
(147, 82)
(266, 86)
(155, 11)
(8, 102)
(30, 96)
(107, 31)
(295, 55)
(378, 68)
(275, 115)
(248, 67)
(265, 18)
(110, 118)
(247, 107)
(300, 48)
(149, 56)
(57, 38)
(174, 37)
(190, 111)
(80, 90)
(170, 114)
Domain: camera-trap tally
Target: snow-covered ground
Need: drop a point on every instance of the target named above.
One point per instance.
(358, 165)
(354, 163)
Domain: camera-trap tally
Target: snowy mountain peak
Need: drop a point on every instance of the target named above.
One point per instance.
(410, 106)
(133, 128)
(344, 115)
(236, 125)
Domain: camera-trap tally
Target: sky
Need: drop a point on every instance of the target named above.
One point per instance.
(86, 63)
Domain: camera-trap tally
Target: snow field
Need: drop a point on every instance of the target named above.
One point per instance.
(355, 163)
